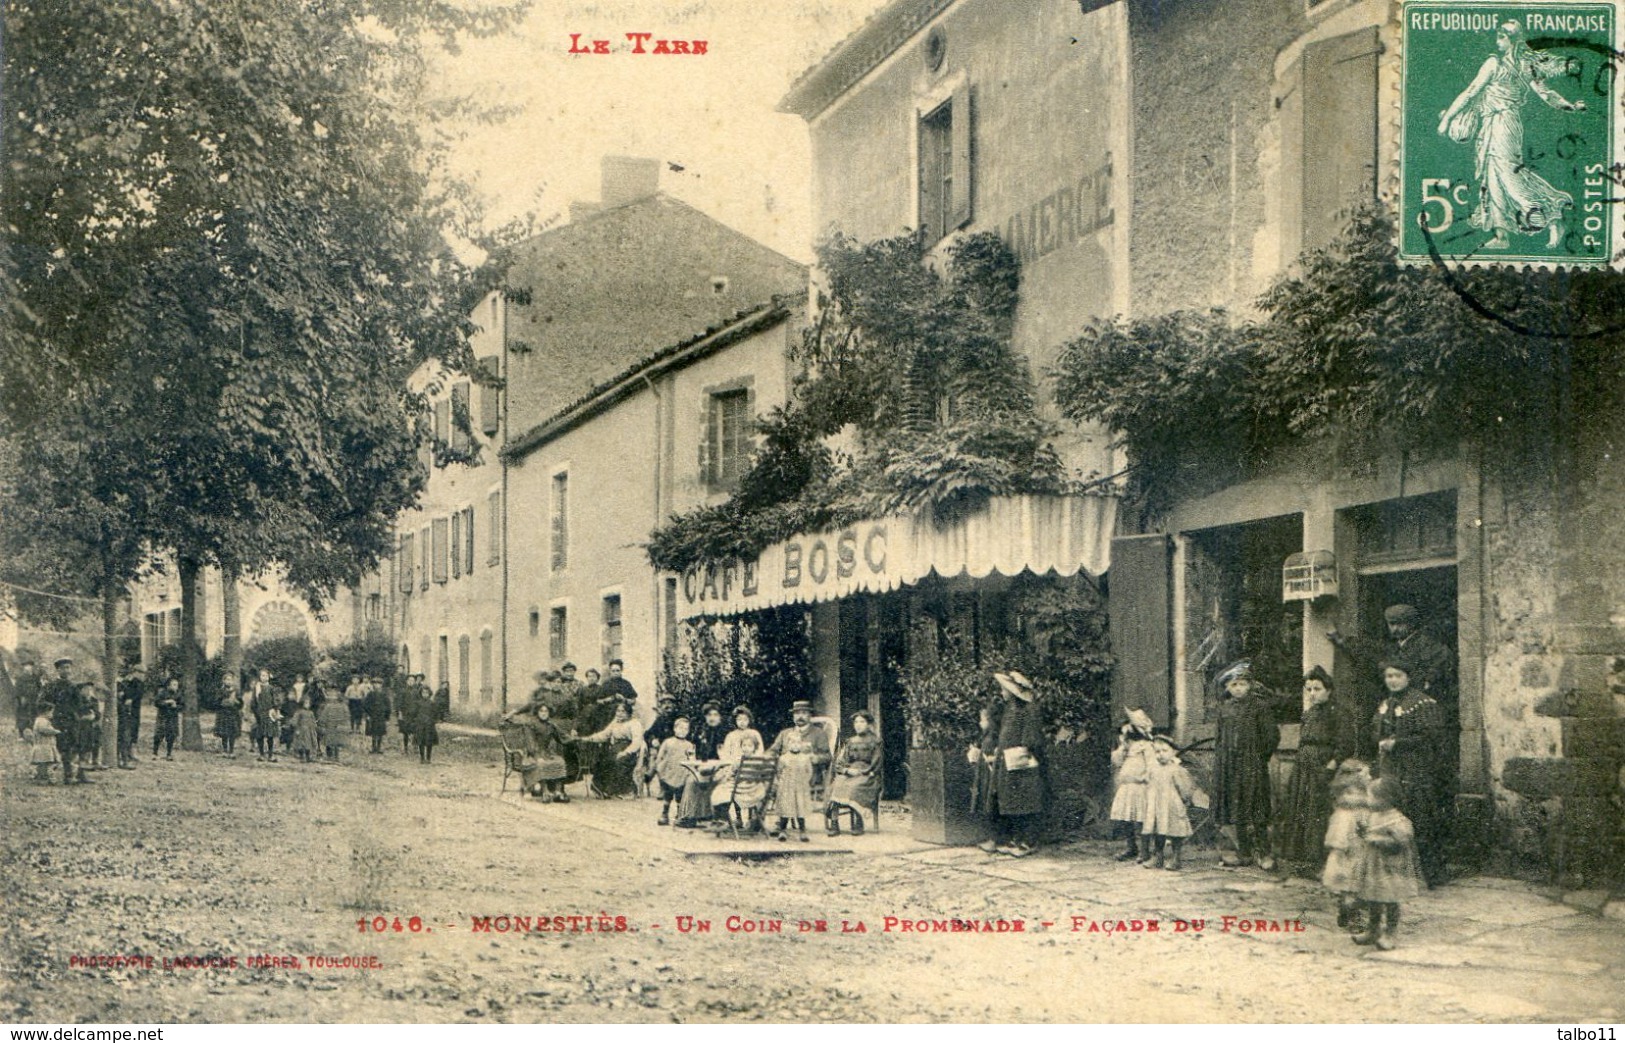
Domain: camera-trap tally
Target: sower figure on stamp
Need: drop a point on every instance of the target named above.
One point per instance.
(1247, 739)
(1511, 196)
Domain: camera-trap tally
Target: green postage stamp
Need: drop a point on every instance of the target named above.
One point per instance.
(1509, 133)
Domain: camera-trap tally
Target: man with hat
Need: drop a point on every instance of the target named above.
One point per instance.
(130, 691)
(1434, 664)
(802, 749)
(1247, 739)
(1016, 784)
(62, 696)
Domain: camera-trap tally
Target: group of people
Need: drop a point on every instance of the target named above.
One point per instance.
(61, 719)
(570, 730)
(1367, 802)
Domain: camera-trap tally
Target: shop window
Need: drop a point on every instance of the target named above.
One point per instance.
(945, 166)
(612, 628)
(558, 632)
(559, 519)
(727, 437)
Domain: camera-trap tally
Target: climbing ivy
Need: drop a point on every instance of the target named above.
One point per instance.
(913, 362)
(1351, 351)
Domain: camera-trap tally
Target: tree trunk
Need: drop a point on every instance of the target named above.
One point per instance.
(232, 646)
(110, 600)
(191, 723)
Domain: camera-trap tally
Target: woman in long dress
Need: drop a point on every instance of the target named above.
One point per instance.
(855, 782)
(708, 740)
(1307, 805)
(228, 719)
(614, 776)
(1511, 196)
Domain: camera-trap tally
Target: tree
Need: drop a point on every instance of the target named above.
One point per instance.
(228, 226)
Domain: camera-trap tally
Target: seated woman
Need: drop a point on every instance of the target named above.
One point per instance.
(613, 775)
(855, 777)
(744, 741)
(541, 744)
(708, 738)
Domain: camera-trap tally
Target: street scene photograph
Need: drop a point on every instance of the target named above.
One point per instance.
(527, 512)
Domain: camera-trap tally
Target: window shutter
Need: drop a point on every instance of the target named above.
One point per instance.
(490, 418)
(404, 562)
(468, 540)
(456, 544)
(959, 213)
(461, 438)
(494, 527)
(1339, 131)
(442, 421)
(707, 460)
(441, 545)
(1141, 623)
(424, 566)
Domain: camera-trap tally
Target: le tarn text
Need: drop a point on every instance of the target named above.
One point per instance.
(637, 43)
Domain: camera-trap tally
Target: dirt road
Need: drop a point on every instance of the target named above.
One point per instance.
(213, 890)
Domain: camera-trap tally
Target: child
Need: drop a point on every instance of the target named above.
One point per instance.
(1389, 871)
(674, 750)
(1343, 837)
(305, 740)
(1169, 787)
(1131, 759)
(42, 750)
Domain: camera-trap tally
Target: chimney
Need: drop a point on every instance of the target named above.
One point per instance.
(628, 179)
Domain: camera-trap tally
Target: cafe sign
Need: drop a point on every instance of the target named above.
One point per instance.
(1010, 534)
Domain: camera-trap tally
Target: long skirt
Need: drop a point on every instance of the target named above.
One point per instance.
(228, 722)
(613, 775)
(1306, 808)
(334, 724)
(794, 789)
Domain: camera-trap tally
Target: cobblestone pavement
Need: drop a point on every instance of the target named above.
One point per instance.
(203, 862)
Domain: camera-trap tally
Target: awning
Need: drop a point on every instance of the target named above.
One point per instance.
(1008, 535)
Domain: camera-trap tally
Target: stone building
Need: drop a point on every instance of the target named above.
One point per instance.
(1147, 156)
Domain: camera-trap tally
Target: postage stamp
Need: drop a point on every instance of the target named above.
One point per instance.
(1509, 132)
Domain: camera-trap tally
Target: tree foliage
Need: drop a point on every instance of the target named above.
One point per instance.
(915, 365)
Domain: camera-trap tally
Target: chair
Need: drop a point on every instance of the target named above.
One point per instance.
(750, 772)
(515, 751)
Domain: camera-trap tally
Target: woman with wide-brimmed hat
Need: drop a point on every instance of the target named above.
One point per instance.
(1017, 784)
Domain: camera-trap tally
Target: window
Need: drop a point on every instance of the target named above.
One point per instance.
(442, 422)
(493, 528)
(727, 437)
(456, 544)
(945, 166)
(558, 632)
(612, 628)
(461, 420)
(468, 540)
(561, 521)
(535, 622)
(424, 563)
(406, 559)
(442, 543)
(462, 669)
(490, 404)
